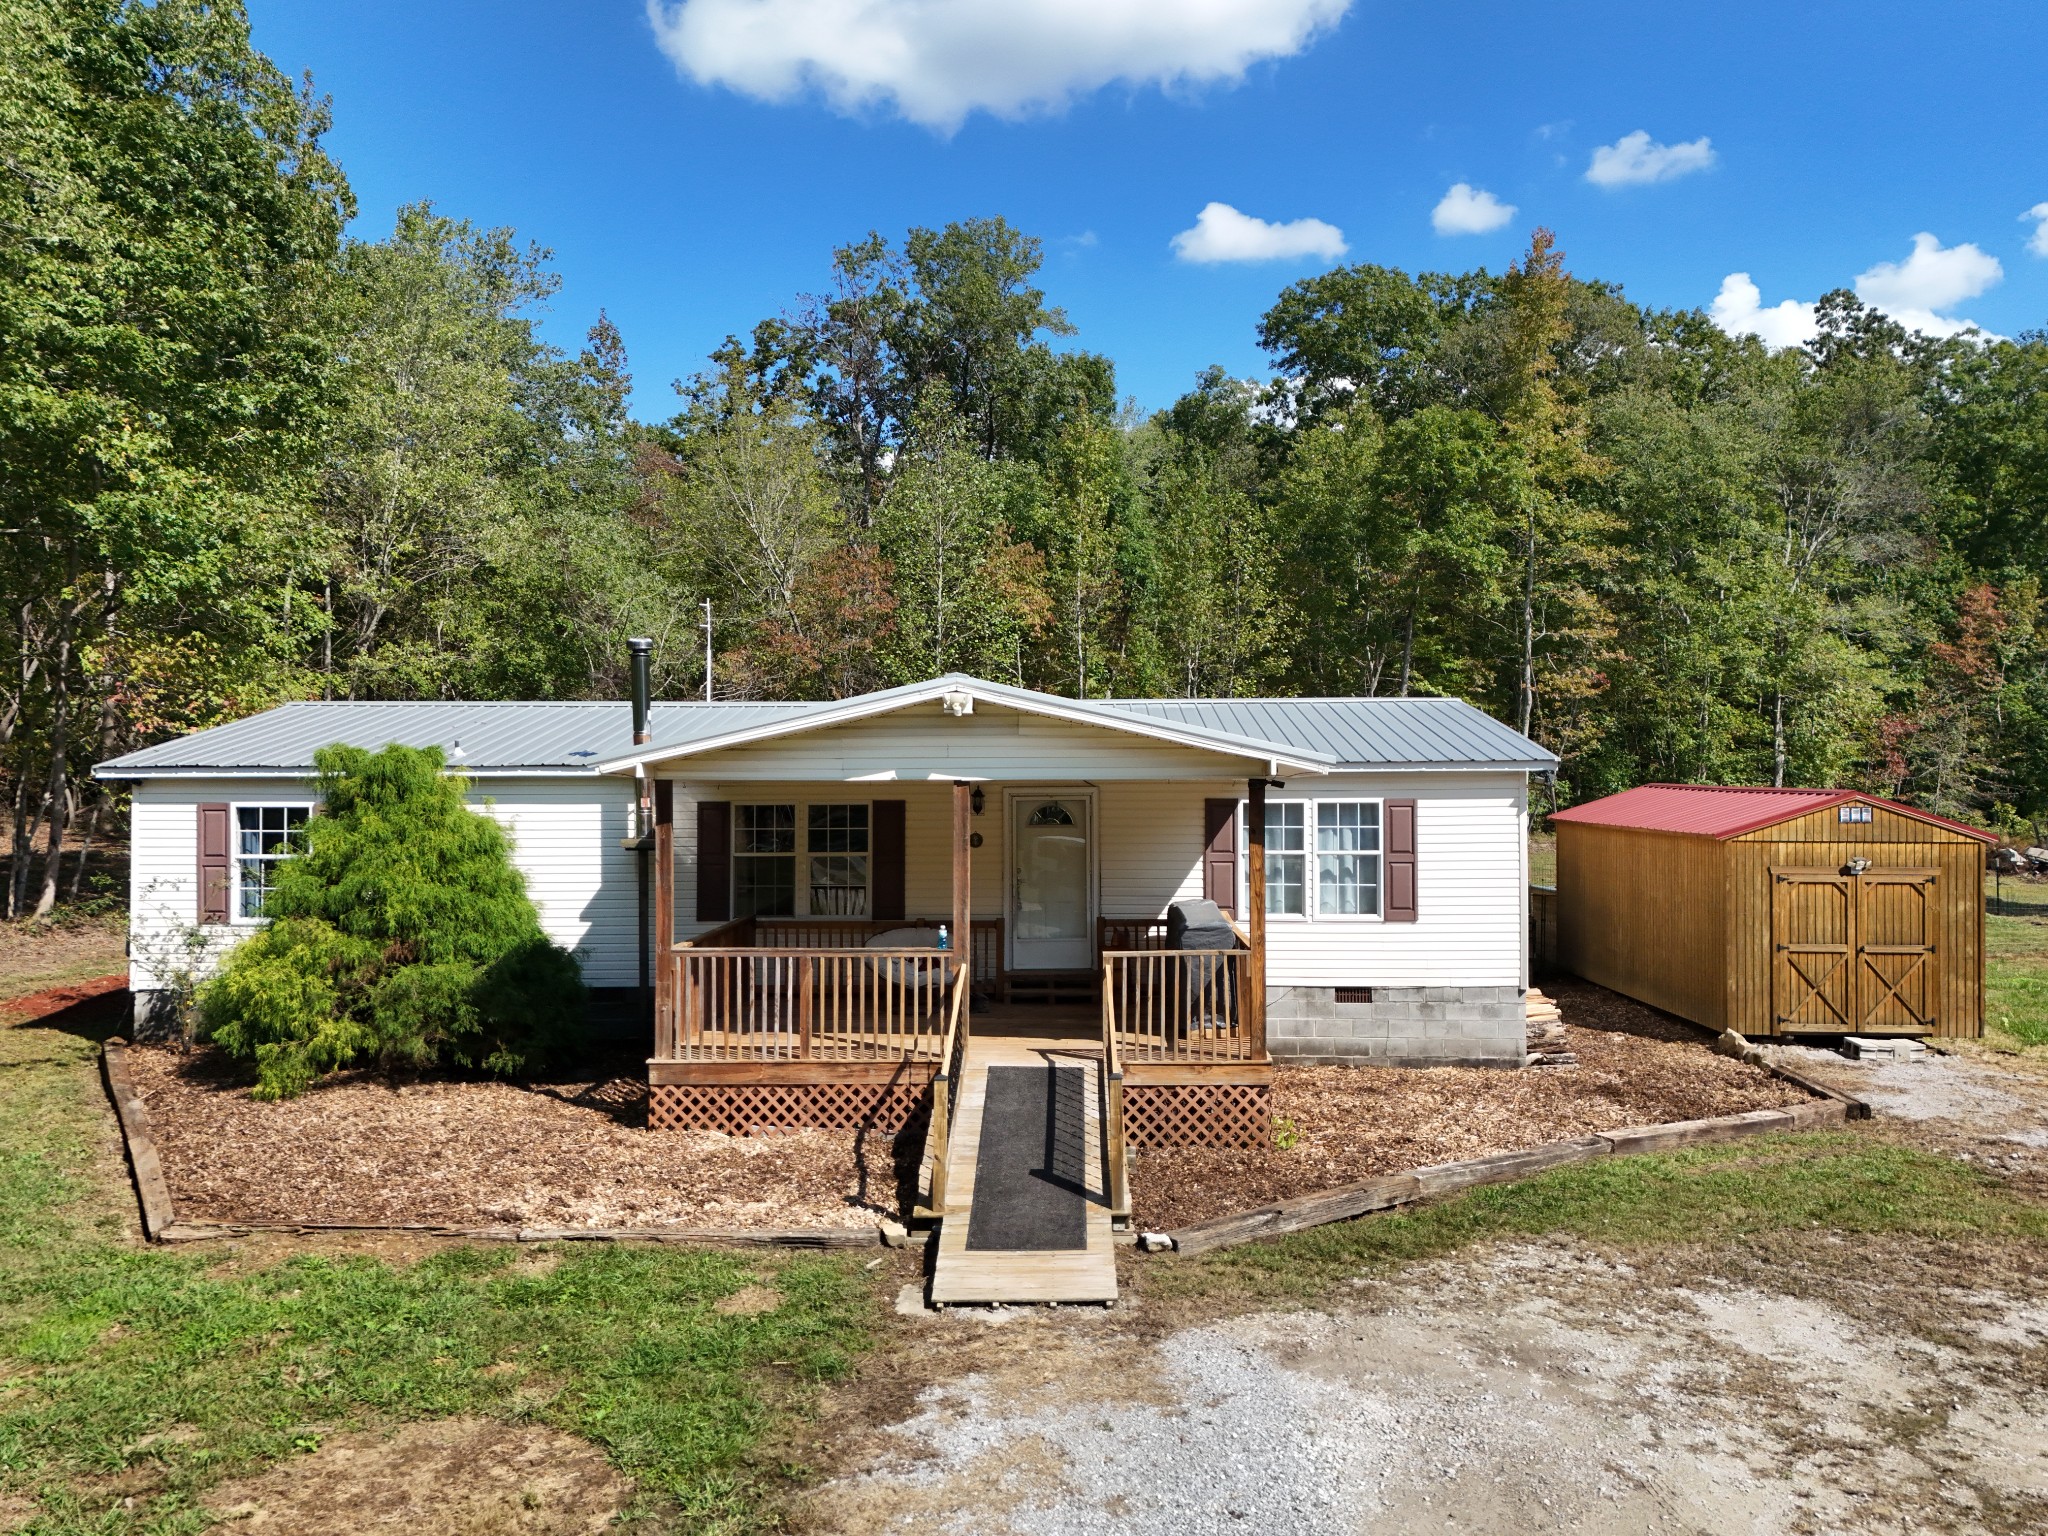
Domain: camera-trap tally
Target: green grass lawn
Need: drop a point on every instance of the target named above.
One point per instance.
(1847, 1182)
(167, 1371)
(2016, 964)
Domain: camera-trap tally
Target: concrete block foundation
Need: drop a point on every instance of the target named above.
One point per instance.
(1399, 1027)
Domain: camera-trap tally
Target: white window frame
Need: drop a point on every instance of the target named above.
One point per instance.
(801, 856)
(1312, 898)
(235, 809)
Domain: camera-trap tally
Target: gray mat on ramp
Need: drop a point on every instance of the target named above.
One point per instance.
(1029, 1173)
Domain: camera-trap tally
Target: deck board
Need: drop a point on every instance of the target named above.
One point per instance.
(962, 1275)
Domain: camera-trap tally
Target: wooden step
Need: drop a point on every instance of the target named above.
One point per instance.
(1052, 987)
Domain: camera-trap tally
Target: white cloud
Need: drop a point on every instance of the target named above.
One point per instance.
(936, 61)
(1221, 233)
(1738, 310)
(1466, 210)
(1935, 277)
(2038, 241)
(1636, 159)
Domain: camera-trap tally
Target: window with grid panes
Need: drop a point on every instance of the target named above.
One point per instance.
(763, 861)
(265, 836)
(1347, 858)
(836, 840)
(1286, 858)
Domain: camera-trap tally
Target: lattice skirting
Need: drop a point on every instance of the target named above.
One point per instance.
(1199, 1115)
(757, 1109)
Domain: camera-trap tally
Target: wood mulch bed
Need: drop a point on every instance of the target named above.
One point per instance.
(359, 1149)
(1636, 1067)
(577, 1154)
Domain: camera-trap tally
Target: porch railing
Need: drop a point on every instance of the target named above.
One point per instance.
(1180, 1005)
(753, 1004)
(986, 936)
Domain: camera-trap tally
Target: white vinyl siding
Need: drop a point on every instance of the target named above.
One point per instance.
(922, 743)
(1469, 925)
(565, 833)
(567, 836)
(1471, 899)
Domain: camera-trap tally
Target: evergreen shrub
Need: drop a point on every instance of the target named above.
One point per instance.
(401, 935)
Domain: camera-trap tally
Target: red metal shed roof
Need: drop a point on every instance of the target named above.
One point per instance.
(1708, 810)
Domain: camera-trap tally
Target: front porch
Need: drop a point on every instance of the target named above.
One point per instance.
(773, 1022)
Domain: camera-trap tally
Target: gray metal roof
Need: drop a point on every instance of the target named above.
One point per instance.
(553, 738)
(1361, 733)
(575, 738)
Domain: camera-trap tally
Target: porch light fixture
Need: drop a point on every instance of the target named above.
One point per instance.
(958, 702)
(1857, 866)
(977, 799)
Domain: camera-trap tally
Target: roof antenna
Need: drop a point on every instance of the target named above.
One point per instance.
(707, 650)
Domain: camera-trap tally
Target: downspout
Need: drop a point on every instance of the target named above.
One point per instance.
(643, 826)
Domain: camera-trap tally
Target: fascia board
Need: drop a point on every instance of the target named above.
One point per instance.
(1292, 758)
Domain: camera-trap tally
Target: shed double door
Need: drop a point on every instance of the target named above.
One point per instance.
(1853, 953)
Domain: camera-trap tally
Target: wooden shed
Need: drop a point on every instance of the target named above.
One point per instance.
(1776, 911)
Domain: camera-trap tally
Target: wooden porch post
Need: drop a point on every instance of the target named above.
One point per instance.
(963, 877)
(664, 916)
(1255, 914)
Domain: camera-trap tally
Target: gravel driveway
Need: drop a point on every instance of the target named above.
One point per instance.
(1529, 1388)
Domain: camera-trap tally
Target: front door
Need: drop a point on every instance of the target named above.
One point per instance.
(1052, 892)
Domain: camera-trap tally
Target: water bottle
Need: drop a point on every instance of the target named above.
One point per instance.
(945, 939)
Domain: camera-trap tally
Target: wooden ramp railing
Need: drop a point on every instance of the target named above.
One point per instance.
(1116, 1149)
(938, 1141)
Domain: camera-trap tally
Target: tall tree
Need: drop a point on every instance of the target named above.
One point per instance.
(167, 212)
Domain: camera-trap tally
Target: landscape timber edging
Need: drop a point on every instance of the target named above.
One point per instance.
(151, 1190)
(1855, 1108)
(1393, 1191)
(161, 1225)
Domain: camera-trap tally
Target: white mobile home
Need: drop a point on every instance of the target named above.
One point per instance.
(771, 878)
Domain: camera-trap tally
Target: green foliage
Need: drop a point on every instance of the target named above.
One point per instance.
(402, 935)
(253, 461)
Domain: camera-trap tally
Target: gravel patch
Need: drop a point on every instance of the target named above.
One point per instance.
(1936, 1088)
(1529, 1388)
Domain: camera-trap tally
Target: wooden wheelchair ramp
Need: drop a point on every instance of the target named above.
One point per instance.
(1027, 1218)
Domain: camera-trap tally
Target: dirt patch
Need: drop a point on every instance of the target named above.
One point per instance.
(749, 1301)
(466, 1477)
(36, 1007)
(475, 1153)
(37, 956)
(1636, 1067)
(15, 1512)
(1808, 1385)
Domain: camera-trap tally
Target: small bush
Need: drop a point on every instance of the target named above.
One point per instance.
(402, 936)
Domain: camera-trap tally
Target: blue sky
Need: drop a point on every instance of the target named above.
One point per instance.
(691, 207)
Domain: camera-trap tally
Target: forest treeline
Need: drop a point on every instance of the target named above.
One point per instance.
(245, 458)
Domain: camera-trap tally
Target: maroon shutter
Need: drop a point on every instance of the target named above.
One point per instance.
(1219, 853)
(714, 861)
(1400, 861)
(215, 844)
(885, 860)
